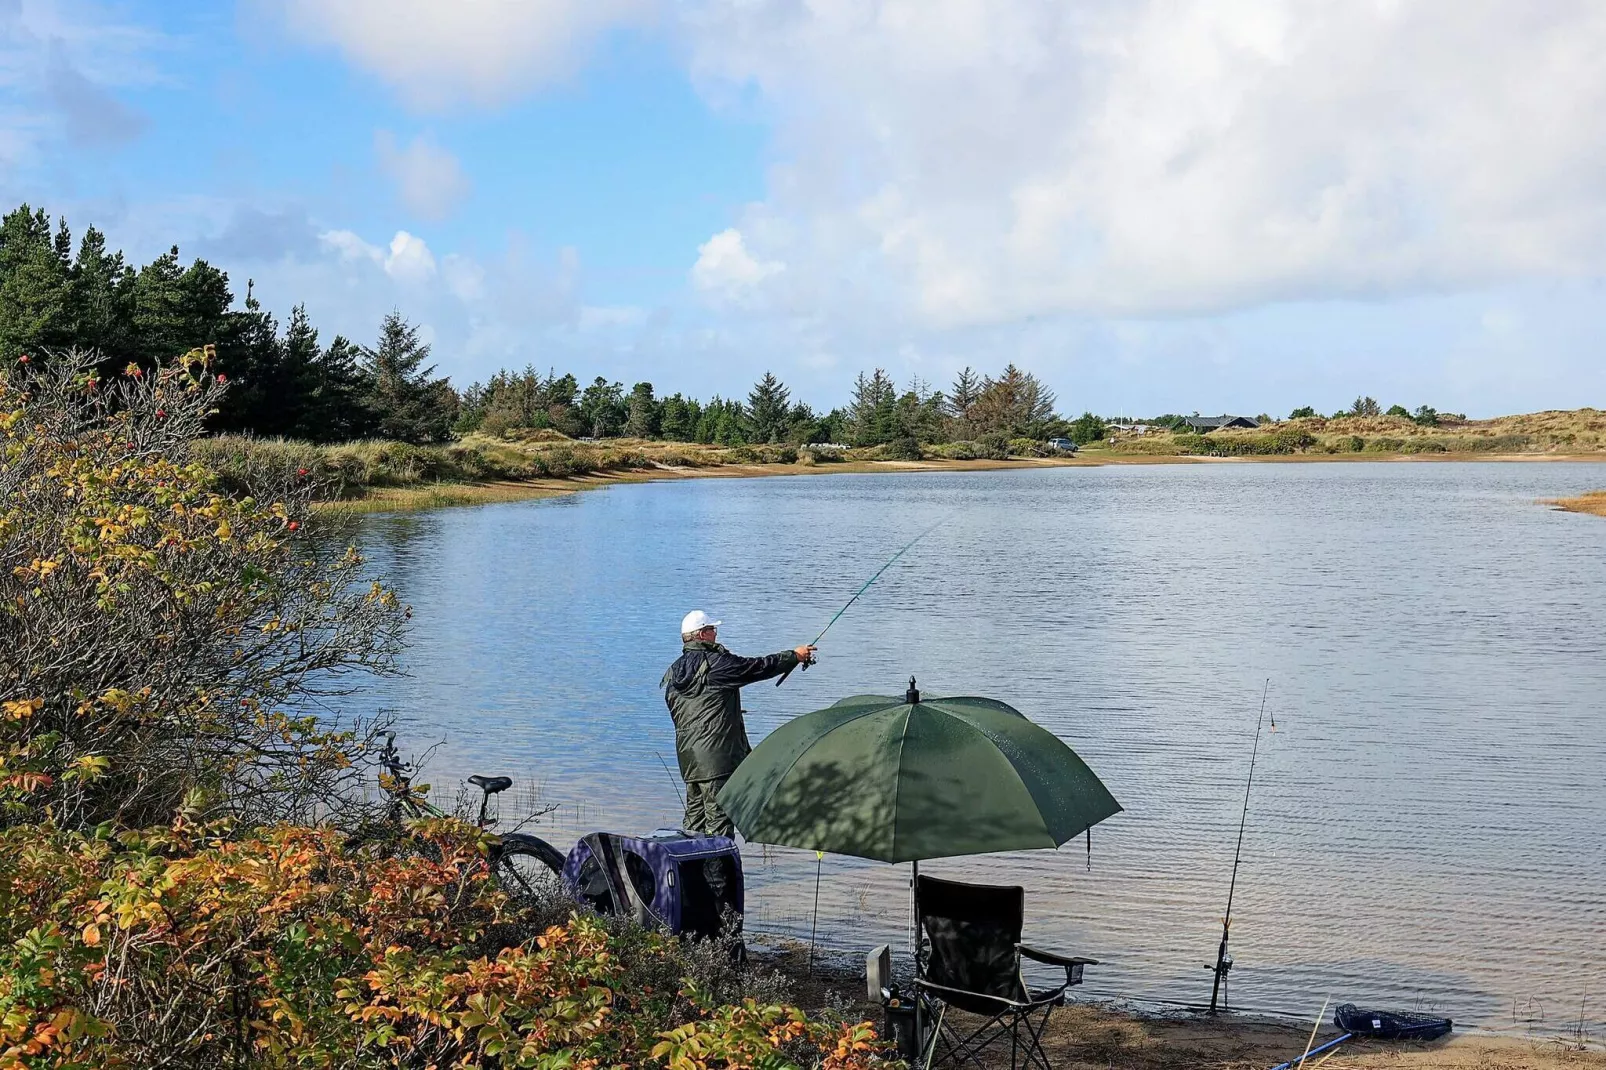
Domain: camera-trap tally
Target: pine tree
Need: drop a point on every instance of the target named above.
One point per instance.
(408, 405)
(338, 409)
(644, 413)
(157, 313)
(679, 420)
(873, 412)
(1015, 404)
(966, 390)
(766, 409)
(802, 425)
(259, 399)
(603, 409)
(101, 285)
(34, 290)
(320, 390)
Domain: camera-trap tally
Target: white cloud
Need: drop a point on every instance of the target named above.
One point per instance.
(428, 179)
(727, 270)
(983, 161)
(408, 260)
(351, 247)
(479, 51)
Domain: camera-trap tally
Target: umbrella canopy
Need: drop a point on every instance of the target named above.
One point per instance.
(900, 781)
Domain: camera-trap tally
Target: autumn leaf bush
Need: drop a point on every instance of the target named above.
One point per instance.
(196, 945)
(163, 638)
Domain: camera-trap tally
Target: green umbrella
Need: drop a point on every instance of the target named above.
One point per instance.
(912, 778)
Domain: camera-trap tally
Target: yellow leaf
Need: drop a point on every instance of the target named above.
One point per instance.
(22, 709)
(92, 935)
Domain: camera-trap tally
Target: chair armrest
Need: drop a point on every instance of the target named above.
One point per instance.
(1053, 959)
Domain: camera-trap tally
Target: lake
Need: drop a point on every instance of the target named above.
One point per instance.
(1426, 826)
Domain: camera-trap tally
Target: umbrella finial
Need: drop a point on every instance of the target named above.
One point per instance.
(911, 696)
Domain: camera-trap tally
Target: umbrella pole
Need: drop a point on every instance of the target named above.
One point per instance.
(914, 917)
(914, 947)
(814, 926)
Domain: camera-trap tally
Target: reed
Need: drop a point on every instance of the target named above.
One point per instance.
(1591, 502)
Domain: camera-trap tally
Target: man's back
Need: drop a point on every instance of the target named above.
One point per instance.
(703, 691)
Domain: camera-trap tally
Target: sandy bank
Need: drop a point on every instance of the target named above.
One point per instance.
(434, 495)
(1096, 1036)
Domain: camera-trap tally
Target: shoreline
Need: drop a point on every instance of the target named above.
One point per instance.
(1096, 1033)
(447, 494)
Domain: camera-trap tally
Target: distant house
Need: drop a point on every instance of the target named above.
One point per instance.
(1123, 427)
(1205, 424)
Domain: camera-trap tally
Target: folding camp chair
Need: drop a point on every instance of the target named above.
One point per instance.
(972, 962)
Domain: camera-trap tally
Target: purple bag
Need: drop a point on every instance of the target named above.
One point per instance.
(669, 880)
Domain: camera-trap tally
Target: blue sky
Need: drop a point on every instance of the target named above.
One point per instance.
(1174, 206)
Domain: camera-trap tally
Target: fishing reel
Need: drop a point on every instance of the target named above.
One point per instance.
(804, 665)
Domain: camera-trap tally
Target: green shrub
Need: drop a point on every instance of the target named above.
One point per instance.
(1026, 447)
(819, 455)
(901, 449)
(969, 451)
(250, 466)
(1356, 443)
(1514, 443)
(1287, 440)
(559, 462)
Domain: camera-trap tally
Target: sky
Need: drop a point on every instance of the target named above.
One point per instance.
(1154, 205)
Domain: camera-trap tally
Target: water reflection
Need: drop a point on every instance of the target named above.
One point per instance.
(1425, 826)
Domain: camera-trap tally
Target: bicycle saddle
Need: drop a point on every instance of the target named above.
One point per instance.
(490, 785)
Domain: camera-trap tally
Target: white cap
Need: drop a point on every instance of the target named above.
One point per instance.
(696, 621)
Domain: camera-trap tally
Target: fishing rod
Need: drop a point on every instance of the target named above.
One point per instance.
(860, 591)
(1223, 960)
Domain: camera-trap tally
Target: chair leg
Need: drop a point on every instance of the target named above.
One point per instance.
(1035, 1055)
(967, 1050)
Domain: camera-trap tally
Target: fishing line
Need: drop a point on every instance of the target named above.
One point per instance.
(672, 781)
(907, 546)
(1222, 962)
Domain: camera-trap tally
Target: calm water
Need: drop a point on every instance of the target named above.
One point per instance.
(1427, 822)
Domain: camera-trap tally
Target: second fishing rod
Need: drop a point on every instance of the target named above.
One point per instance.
(1223, 958)
(877, 575)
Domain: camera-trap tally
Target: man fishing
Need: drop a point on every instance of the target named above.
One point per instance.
(703, 689)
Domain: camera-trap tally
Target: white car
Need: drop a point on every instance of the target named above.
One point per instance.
(1064, 445)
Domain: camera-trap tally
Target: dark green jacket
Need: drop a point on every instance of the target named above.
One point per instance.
(704, 691)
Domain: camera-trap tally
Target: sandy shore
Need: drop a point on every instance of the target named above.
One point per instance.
(1095, 1036)
(427, 496)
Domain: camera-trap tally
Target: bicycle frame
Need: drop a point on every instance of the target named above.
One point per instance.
(405, 800)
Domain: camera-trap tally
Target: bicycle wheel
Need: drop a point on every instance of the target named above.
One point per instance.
(527, 867)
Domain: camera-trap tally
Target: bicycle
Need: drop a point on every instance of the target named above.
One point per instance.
(523, 866)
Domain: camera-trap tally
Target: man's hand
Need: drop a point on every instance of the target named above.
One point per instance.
(805, 655)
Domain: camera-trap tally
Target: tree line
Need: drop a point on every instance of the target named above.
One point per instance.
(1425, 415)
(1013, 404)
(56, 293)
(282, 382)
